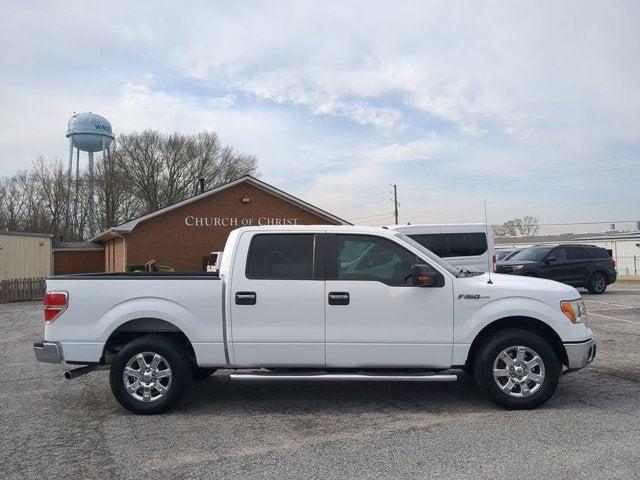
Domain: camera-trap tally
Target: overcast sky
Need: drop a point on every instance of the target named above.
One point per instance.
(534, 106)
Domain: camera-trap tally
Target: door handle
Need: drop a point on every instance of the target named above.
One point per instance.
(246, 298)
(338, 298)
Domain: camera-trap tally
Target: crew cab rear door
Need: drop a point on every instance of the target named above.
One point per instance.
(277, 300)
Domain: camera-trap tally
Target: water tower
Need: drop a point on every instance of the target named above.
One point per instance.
(87, 132)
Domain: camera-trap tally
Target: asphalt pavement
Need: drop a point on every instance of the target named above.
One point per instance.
(54, 428)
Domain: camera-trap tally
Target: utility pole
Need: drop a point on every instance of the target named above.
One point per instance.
(395, 202)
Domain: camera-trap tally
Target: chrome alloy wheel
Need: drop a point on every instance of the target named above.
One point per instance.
(518, 371)
(147, 376)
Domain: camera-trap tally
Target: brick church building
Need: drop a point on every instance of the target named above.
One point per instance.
(181, 235)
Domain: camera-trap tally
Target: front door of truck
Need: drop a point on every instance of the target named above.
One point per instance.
(375, 316)
(277, 300)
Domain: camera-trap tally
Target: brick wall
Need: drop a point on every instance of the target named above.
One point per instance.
(181, 237)
(78, 261)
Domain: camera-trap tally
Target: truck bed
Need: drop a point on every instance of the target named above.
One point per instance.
(136, 275)
(103, 303)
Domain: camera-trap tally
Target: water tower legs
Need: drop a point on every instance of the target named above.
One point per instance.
(70, 161)
(75, 200)
(69, 175)
(91, 199)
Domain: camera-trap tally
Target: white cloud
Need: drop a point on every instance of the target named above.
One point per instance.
(286, 87)
(338, 97)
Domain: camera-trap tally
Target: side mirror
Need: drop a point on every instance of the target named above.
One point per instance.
(550, 260)
(426, 276)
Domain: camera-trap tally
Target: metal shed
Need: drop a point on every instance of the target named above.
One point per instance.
(25, 255)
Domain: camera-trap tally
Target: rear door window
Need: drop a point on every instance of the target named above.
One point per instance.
(281, 257)
(576, 253)
(453, 244)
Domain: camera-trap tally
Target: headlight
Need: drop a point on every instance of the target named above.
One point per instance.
(574, 310)
(517, 267)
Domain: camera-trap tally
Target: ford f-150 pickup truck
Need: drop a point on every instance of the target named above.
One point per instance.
(317, 303)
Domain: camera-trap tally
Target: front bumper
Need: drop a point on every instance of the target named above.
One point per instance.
(580, 354)
(48, 352)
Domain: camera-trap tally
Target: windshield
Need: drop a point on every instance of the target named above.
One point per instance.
(429, 254)
(535, 254)
(503, 254)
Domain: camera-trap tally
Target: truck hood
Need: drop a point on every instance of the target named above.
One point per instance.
(503, 286)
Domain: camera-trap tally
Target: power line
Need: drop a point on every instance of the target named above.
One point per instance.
(320, 200)
(338, 204)
(551, 167)
(521, 207)
(532, 188)
(371, 216)
(586, 223)
(374, 217)
(374, 222)
(482, 194)
(533, 179)
(347, 204)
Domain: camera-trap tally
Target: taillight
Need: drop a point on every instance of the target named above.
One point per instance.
(54, 304)
(613, 262)
(495, 263)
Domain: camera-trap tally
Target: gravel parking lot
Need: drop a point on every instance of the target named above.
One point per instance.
(54, 428)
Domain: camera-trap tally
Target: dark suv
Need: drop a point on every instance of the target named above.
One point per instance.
(577, 265)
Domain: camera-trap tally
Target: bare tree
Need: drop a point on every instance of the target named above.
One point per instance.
(11, 203)
(517, 227)
(165, 169)
(51, 192)
(141, 172)
(529, 226)
(115, 198)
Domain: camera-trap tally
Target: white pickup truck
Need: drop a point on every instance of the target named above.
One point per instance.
(317, 303)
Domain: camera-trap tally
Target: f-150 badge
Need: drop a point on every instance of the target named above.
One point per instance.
(470, 296)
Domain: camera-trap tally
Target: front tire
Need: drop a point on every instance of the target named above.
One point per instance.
(150, 374)
(597, 283)
(517, 369)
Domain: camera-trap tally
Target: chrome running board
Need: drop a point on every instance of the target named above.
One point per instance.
(362, 377)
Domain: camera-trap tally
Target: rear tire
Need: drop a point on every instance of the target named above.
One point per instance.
(150, 374)
(517, 369)
(597, 283)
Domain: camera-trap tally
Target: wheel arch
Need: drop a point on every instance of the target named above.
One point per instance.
(139, 327)
(599, 270)
(524, 323)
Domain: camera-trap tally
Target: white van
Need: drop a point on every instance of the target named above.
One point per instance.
(464, 245)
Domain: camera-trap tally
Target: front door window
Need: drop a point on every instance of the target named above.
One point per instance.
(374, 259)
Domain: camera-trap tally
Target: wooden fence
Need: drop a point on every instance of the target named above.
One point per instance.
(21, 289)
